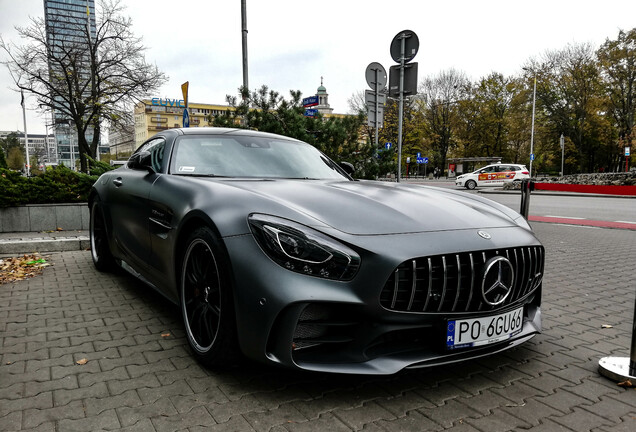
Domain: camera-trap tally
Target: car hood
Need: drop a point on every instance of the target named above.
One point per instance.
(366, 207)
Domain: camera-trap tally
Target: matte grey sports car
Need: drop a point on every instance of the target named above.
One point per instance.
(272, 250)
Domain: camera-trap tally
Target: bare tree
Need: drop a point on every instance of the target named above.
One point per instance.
(439, 96)
(86, 78)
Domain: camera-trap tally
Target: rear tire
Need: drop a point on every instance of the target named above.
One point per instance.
(207, 304)
(471, 184)
(100, 250)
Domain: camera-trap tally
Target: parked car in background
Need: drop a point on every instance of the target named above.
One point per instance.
(493, 175)
(271, 250)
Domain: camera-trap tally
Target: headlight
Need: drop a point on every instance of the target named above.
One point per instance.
(302, 249)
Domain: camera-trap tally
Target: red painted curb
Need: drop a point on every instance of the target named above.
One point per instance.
(585, 222)
(605, 190)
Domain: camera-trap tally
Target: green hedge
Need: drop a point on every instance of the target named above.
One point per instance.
(53, 186)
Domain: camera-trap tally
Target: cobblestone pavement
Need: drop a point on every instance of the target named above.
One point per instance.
(136, 378)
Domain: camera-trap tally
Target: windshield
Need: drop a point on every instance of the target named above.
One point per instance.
(249, 156)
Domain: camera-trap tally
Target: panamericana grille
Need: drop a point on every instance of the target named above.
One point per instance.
(452, 282)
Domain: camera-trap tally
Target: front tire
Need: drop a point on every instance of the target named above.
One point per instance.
(471, 184)
(100, 251)
(207, 305)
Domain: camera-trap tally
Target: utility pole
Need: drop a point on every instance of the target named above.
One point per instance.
(244, 39)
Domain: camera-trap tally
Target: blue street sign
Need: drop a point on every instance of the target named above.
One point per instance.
(420, 160)
(531, 156)
(419, 155)
(425, 160)
(310, 101)
(311, 112)
(387, 146)
(186, 118)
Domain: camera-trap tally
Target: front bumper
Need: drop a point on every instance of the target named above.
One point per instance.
(315, 324)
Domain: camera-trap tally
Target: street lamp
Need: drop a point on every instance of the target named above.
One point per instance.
(534, 100)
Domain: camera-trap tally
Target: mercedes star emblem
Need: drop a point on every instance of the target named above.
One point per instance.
(498, 279)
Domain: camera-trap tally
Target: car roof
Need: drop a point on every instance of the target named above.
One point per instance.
(229, 131)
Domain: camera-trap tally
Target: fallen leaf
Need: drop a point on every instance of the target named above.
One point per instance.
(81, 362)
(59, 229)
(607, 326)
(626, 384)
(165, 335)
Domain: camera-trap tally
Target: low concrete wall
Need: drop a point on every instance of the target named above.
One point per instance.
(44, 217)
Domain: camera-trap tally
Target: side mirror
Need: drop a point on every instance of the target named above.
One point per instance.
(347, 167)
(141, 161)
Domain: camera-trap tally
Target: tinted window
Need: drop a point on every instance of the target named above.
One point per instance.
(156, 149)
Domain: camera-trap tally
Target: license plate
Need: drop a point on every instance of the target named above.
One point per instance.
(484, 330)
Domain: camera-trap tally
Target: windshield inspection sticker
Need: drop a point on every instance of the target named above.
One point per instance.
(186, 169)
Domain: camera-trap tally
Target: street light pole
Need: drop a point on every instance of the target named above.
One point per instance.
(534, 99)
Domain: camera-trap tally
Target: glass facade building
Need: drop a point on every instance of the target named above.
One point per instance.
(70, 26)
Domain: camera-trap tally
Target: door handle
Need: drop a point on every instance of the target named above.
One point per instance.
(117, 182)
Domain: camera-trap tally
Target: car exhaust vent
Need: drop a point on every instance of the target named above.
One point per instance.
(453, 282)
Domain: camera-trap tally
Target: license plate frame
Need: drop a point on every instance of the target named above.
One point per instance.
(484, 330)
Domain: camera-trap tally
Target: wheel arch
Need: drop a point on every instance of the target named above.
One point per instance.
(194, 220)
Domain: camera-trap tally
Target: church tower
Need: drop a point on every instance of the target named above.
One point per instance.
(323, 100)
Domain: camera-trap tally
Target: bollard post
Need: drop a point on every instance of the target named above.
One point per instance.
(527, 186)
(621, 369)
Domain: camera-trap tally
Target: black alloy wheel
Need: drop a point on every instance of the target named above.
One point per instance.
(100, 252)
(471, 184)
(206, 302)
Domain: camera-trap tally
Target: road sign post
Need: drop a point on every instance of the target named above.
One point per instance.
(186, 114)
(403, 48)
(376, 79)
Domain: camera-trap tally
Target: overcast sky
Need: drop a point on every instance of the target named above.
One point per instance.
(292, 43)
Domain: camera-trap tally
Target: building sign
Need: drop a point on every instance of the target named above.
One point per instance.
(178, 103)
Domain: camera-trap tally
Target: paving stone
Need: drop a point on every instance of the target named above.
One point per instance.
(150, 395)
(451, 412)
(235, 424)
(160, 408)
(414, 421)
(223, 412)
(264, 421)
(35, 417)
(580, 420)
(197, 417)
(326, 422)
(97, 405)
(401, 405)
(498, 421)
(105, 421)
(63, 396)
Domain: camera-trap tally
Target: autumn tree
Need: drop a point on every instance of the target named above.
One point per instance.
(83, 76)
(617, 62)
(439, 98)
(569, 91)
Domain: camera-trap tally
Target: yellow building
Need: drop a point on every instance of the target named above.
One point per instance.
(158, 114)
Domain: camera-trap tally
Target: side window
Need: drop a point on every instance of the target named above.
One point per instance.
(156, 148)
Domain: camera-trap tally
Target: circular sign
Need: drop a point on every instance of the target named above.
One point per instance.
(411, 45)
(375, 69)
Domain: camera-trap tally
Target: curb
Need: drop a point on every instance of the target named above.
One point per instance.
(21, 246)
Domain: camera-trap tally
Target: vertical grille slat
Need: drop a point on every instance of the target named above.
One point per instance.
(459, 283)
(429, 286)
(396, 286)
(445, 269)
(453, 282)
(413, 284)
(472, 281)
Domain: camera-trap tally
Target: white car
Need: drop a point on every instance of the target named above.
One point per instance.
(493, 175)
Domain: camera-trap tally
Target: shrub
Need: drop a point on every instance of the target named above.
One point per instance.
(53, 186)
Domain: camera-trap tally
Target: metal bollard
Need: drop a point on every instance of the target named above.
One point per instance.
(527, 186)
(621, 368)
